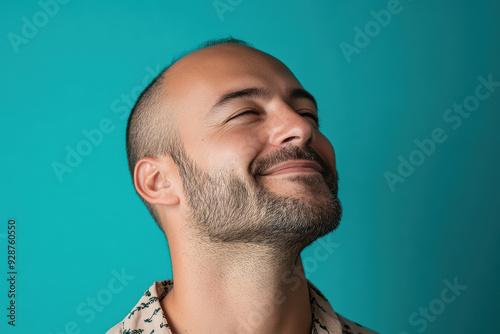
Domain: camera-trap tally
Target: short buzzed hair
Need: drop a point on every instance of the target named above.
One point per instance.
(149, 128)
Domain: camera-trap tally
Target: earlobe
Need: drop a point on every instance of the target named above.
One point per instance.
(151, 180)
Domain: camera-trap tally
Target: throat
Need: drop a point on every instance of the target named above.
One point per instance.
(240, 295)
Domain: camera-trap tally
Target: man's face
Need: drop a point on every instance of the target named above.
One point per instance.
(254, 165)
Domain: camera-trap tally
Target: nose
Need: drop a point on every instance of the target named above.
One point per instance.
(289, 127)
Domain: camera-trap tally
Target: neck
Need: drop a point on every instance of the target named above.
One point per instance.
(237, 288)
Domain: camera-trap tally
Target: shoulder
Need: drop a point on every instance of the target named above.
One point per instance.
(147, 313)
(351, 327)
(326, 318)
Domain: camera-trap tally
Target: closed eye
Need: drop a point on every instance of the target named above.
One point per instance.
(248, 112)
(252, 112)
(311, 115)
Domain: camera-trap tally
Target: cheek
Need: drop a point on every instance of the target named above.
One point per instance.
(235, 152)
(325, 150)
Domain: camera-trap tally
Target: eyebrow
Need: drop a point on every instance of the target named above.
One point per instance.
(302, 93)
(255, 92)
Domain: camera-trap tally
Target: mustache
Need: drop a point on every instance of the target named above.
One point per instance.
(287, 153)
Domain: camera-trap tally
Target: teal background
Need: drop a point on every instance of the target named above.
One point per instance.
(393, 250)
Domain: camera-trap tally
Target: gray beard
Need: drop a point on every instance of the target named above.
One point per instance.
(225, 209)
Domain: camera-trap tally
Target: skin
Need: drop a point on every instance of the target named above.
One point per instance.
(236, 287)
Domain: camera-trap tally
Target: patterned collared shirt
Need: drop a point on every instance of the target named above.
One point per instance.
(147, 316)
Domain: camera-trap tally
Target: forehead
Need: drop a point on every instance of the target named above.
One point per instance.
(195, 82)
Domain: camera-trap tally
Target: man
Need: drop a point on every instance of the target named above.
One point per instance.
(225, 151)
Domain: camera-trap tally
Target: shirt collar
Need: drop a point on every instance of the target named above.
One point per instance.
(148, 315)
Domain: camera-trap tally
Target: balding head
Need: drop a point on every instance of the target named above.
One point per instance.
(151, 130)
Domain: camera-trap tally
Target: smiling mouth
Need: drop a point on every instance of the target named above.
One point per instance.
(295, 166)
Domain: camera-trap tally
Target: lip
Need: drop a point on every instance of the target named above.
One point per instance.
(294, 166)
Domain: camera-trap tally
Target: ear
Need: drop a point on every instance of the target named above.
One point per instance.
(153, 181)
